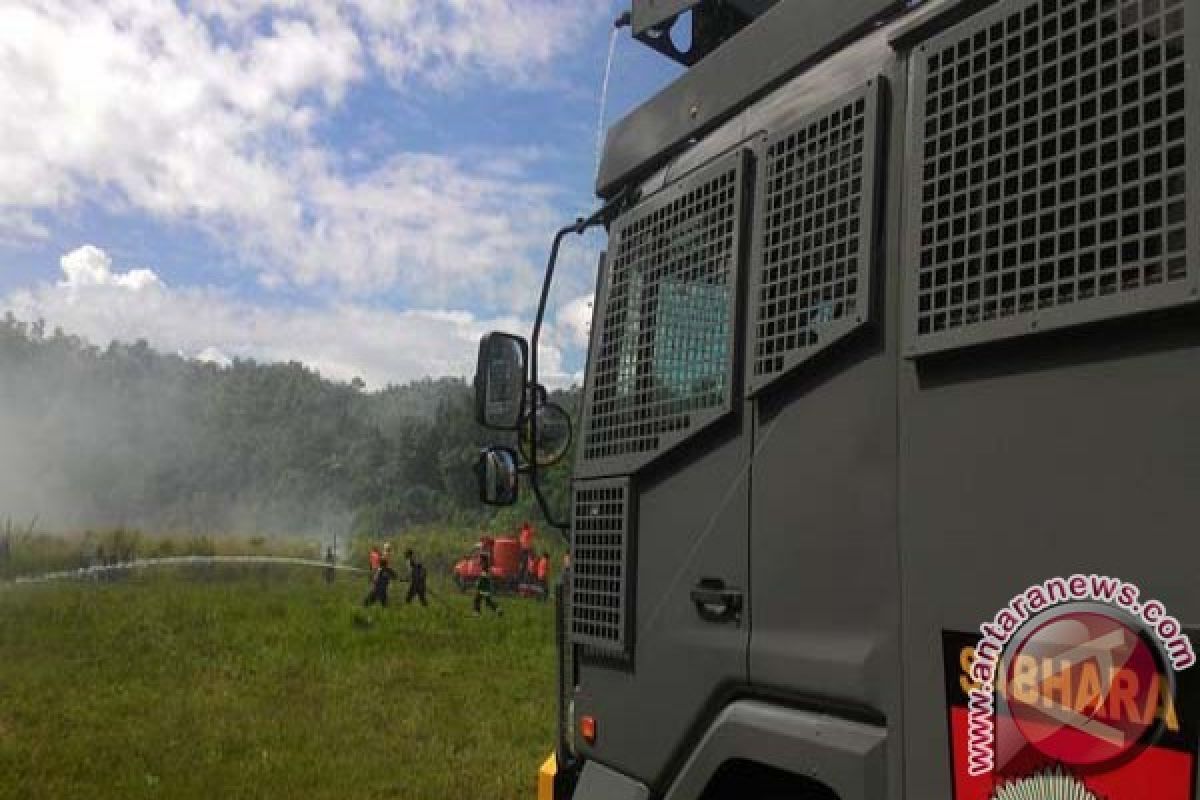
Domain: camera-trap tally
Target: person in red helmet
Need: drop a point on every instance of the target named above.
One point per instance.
(525, 563)
(380, 582)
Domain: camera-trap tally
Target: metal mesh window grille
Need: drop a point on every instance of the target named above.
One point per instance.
(814, 222)
(662, 362)
(1052, 169)
(600, 565)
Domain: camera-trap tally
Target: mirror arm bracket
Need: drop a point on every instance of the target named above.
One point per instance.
(601, 217)
(563, 526)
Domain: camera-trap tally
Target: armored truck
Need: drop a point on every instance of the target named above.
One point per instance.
(898, 316)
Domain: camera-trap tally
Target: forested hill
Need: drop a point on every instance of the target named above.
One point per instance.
(125, 435)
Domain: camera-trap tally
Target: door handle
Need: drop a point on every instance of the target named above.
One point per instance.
(715, 602)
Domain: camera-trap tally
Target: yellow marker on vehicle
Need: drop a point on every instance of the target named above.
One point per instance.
(545, 783)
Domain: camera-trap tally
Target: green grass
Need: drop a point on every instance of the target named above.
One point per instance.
(258, 684)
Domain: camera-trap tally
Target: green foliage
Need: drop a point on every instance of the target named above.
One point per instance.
(128, 437)
(262, 685)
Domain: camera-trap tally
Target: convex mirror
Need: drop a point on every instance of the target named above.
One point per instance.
(496, 470)
(553, 434)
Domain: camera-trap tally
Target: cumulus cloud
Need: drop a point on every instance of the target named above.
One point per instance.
(139, 97)
(343, 340)
(90, 266)
(205, 112)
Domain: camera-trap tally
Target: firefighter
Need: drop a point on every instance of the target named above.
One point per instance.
(483, 588)
(528, 569)
(383, 578)
(416, 579)
(543, 574)
(373, 557)
(525, 564)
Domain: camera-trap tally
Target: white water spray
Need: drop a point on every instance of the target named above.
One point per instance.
(176, 561)
(612, 49)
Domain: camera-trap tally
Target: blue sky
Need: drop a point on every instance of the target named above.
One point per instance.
(362, 185)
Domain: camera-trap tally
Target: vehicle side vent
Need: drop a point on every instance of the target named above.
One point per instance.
(813, 234)
(662, 357)
(1051, 169)
(601, 579)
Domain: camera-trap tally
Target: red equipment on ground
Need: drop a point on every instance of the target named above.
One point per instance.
(505, 555)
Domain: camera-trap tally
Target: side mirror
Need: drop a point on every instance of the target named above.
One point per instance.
(496, 470)
(500, 381)
(554, 434)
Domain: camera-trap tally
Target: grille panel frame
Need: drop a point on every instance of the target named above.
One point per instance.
(816, 219)
(669, 294)
(602, 571)
(1053, 168)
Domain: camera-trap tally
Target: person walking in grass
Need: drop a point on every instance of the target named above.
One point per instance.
(527, 557)
(373, 559)
(483, 588)
(416, 579)
(542, 571)
(379, 585)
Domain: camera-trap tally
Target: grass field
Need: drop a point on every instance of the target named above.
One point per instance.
(259, 684)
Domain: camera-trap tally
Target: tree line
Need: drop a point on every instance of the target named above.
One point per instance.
(125, 435)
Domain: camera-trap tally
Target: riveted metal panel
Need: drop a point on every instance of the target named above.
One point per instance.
(1051, 170)
(601, 576)
(665, 321)
(815, 220)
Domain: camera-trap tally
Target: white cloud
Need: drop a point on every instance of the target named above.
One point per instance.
(138, 97)
(553, 370)
(423, 223)
(212, 355)
(575, 318)
(90, 266)
(206, 113)
(442, 41)
(342, 340)
(19, 227)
